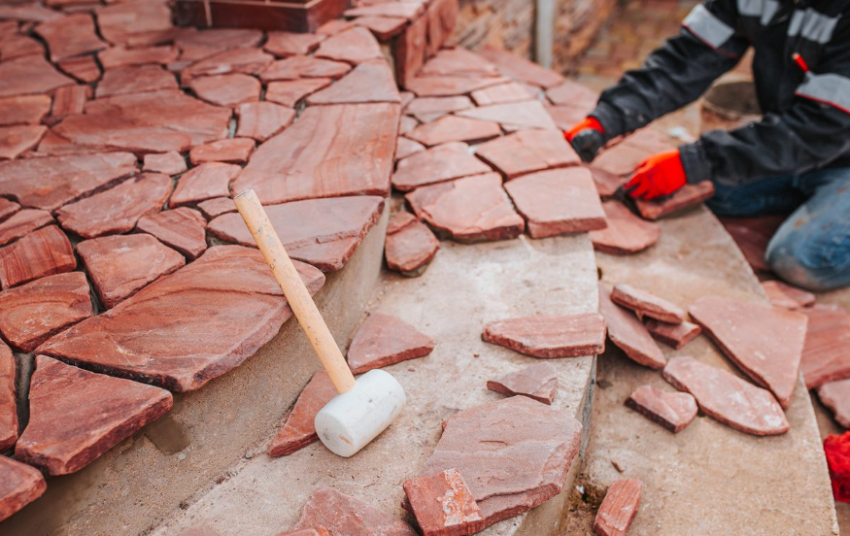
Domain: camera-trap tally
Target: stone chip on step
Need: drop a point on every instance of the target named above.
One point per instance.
(672, 410)
(46, 251)
(626, 233)
(539, 382)
(443, 504)
(644, 303)
(619, 508)
(673, 335)
(410, 245)
(549, 336)
(299, 429)
(385, 340)
(344, 515)
(627, 332)
(783, 295)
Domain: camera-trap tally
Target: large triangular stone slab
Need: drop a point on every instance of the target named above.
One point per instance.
(384, 340)
(628, 333)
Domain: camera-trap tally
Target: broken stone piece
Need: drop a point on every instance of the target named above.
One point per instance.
(443, 504)
(233, 151)
(370, 81)
(427, 109)
(20, 485)
(384, 28)
(203, 182)
(673, 335)
(674, 411)
(407, 124)
(627, 332)
(621, 159)
(514, 115)
(459, 61)
(527, 151)
(385, 340)
(406, 147)
(285, 44)
(437, 164)
(646, 304)
(30, 75)
(539, 382)
(23, 222)
(8, 404)
(626, 233)
(618, 509)
(24, 110)
(765, 342)
(227, 89)
(836, 396)
(727, 398)
(121, 22)
(290, 92)
(71, 35)
(783, 295)
(130, 80)
(237, 60)
(550, 336)
(46, 251)
(170, 163)
(341, 514)
(195, 46)
(121, 265)
(454, 128)
(16, 45)
(116, 57)
(262, 120)
(213, 208)
(400, 10)
(84, 68)
(299, 429)
(297, 67)
(183, 229)
(110, 409)
(32, 313)
(824, 359)
(355, 45)
(752, 236)
(410, 247)
(8, 208)
(68, 100)
(16, 140)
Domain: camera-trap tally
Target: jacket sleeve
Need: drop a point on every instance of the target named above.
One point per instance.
(813, 132)
(677, 73)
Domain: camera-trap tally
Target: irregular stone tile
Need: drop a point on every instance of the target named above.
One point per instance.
(673, 411)
(204, 182)
(384, 28)
(448, 86)
(442, 18)
(18, 139)
(410, 50)
(406, 125)
(181, 228)
(354, 46)
(69, 36)
(427, 109)
(558, 201)
(458, 62)
(452, 128)
(8, 405)
(370, 81)
(28, 13)
(118, 209)
(239, 60)
(68, 100)
(644, 303)
(227, 89)
(29, 75)
(299, 429)
(727, 398)
(285, 44)
(828, 334)
(23, 222)
(618, 509)
(152, 122)
(150, 38)
(627, 332)
(297, 67)
(526, 466)
(46, 251)
(20, 484)
(196, 45)
(322, 232)
(212, 208)
(443, 504)
(114, 57)
(316, 157)
(786, 296)
(333, 27)
(121, 21)
(468, 210)
(25, 110)
(290, 92)
(626, 233)
(170, 163)
(262, 120)
(7, 208)
(84, 68)
(110, 410)
(49, 183)
(32, 313)
(234, 150)
(514, 116)
(502, 94)
(571, 93)
(689, 196)
(384, 340)
(527, 151)
(17, 45)
(747, 332)
(539, 382)
(673, 335)
(521, 69)
(752, 236)
(130, 80)
(410, 246)
(406, 147)
(341, 514)
(549, 336)
(566, 117)
(438, 164)
(836, 397)
(189, 327)
(399, 10)
(121, 265)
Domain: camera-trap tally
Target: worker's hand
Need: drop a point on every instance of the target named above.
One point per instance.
(586, 138)
(658, 176)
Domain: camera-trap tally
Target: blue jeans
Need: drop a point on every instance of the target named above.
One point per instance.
(811, 249)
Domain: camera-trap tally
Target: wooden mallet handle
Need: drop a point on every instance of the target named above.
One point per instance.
(296, 292)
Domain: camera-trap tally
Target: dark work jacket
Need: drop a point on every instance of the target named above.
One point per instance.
(806, 122)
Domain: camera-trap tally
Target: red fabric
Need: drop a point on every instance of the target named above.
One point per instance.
(657, 176)
(587, 123)
(837, 449)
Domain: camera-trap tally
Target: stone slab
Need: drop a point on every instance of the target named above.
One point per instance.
(538, 382)
(195, 45)
(514, 116)
(182, 229)
(673, 335)
(30, 75)
(131, 80)
(452, 128)
(8, 400)
(628, 333)
(18, 45)
(549, 336)
(206, 181)
(46, 251)
(231, 150)
(84, 68)
(8, 208)
(121, 21)
(410, 246)
(441, 163)
(836, 396)
(237, 60)
(68, 100)
(20, 485)
(672, 410)
(355, 45)
(827, 334)
(71, 35)
(170, 163)
(645, 304)
(369, 81)
(384, 28)
(783, 295)
(291, 92)
(384, 340)
(448, 86)
(689, 196)
(528, 151)
(427, 109)
(125, 57)
(341, 514)
(19, 139)
(406, 147)
(213, 208)
(521, 69)
(619, 508)
(299, 429)
(626, 234)
(262, 120)
(24, 110)
(23, 222)
(297, 67)
(285, 44)
(443, 504)
(503, 93)
(227, 89)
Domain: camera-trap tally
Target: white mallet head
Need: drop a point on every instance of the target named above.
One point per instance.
(352, 419)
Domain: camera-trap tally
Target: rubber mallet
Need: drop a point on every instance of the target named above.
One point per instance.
(364, 407)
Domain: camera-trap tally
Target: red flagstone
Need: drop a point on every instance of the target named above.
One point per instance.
(573, 94)
(406, 147)
(566, 117)
(675, 336)
(502, 94)
(836, 397)
(20, 484)
(690, 195)
(227, 89)
(170, 163)
(618, 509)
(458, 62)
(18, 45)
(539, 382)
(130, 80)
(549, 336)
(626, 233)
(150, 38)
(46, 251)
(212, 208)
(453, 128)
(25, 110)
(84, 68)
(558, 201)
(399, 10)
(71, 35)
(334, 27)
(344, 515)
(328, 152)
(442, 18)
(410, 50)
(32, 313)
(427, 109)
(296, 67)
(28, 13)
(672, 410)
(468, 210)
(69, 100)
(765, 342)
(121, 21)
(7, 208)
(438, 164)
(384, 28)
(447, 86)
(385, 340)
(514, 116)
(8, 404)
(824, 357)
(644, 303)
(128, 57)
(238, 60)
(18, 139)
(290, 92)
(370, 81)
(752, 235)
(355, 45)
(118, 209)
(726, 398)
(521, 69)
(234, 151)
(410, 245)
(627, 332)
(188, 328)
(196, 45)
(121, 265)
(109, 409)
(182, 228)
(204, 182)
(22, 223)
(406, 125)
(285, 44)
(443, 504)
(299, 429)
(527, 151)
(786, 296)
(262, 120)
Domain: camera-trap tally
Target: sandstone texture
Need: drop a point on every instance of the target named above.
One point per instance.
(8, 401)
(626, 233)
(836, 396)
(227, 89)
(410, 246)
(29, 75)
(646, 304)
(384, 340)
(342, 514)
(23, 222)
(527, 151)
(503, 93)
(673, 335)
(437, 164)
(206, 181)
(443, 504)
(262, 120)
(355, 45)
(46, 251)
(20, 485)
(131, 80)
(549, 336)
(828, 334)
(170, 163)
(371, 81)
(24, 110)
(619, 508)
(674, 411)
(297, 67)
(299, 429)
(427, 109)
(290, 93)
(285, 44)
(182, 229)
(514, 116)
(538, 382)
(17, 140)
(627, 332)
(783, 295)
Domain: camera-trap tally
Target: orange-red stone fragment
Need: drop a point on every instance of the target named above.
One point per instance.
(20, 485)
(443, 504)
(672, 410)
(539, 382)
(299, 430)
(627, 332)
(618, 509)
(385, 340)
(549, 336)
(646, 304)
(43, 252)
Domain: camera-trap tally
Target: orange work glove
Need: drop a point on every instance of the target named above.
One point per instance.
(659, 175)
(587, 138)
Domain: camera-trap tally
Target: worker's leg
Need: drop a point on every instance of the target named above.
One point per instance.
(812, 247)
(776, 195)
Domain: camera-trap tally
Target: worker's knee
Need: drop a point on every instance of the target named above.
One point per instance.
(814, 259)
